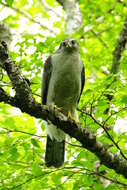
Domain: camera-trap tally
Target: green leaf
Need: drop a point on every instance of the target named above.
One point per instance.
(13, 153)
(124, 99)
(35, 143)
(36, 169)
(9, 2)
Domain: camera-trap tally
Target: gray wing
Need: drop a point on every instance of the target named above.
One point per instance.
(54, 155)
(46, 79)
(82, 80)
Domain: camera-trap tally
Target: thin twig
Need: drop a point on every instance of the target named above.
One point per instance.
(74, 170)
(75, 145)
(25, 14)
(80, 169)
(110, 137)
(107, 178)
(39, 136)
(36, 94)
(49, 8)
(114, 113)
(19, 131)
(113, 7)
(99, 38)
(33, 177)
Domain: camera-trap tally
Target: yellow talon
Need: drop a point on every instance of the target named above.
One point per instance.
(73, 117)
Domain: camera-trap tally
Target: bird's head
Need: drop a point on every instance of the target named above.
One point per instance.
(69, 45)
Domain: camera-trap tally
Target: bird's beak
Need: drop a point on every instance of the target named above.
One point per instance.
(69, 44)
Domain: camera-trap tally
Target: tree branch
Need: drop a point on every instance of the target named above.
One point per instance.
(99, 38)
(49, 8)
(120, 46)
(4, 97)
(117, 54)
(108, 134)
(85, 170)
(25, 101)
(61, 2)
(23, 132)
(33, 135)
(25, 14)
(73, 15)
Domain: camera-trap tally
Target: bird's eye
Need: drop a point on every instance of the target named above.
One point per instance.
(73, 42)
(64, 43)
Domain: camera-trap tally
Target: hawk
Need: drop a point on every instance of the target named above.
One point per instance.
(62, 85)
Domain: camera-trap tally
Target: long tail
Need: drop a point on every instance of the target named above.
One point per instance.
(54, 153)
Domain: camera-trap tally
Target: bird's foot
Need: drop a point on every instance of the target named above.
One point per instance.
(72, 117)
(54, 107)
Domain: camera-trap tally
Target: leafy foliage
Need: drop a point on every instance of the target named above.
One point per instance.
(9, 2)
(102, 105)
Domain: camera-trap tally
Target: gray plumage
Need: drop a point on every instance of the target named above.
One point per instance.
(62, 85)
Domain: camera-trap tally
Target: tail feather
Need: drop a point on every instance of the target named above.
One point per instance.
(54, 152)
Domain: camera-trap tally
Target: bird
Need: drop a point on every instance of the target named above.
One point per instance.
(63, 81)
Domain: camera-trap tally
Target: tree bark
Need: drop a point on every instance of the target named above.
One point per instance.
(120, 46)
(73, 15)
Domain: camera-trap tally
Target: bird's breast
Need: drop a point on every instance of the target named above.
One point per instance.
(65, 82)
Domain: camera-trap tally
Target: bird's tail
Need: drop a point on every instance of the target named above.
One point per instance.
(54, 152)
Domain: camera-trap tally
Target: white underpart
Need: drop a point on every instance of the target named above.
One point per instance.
(56, 133)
